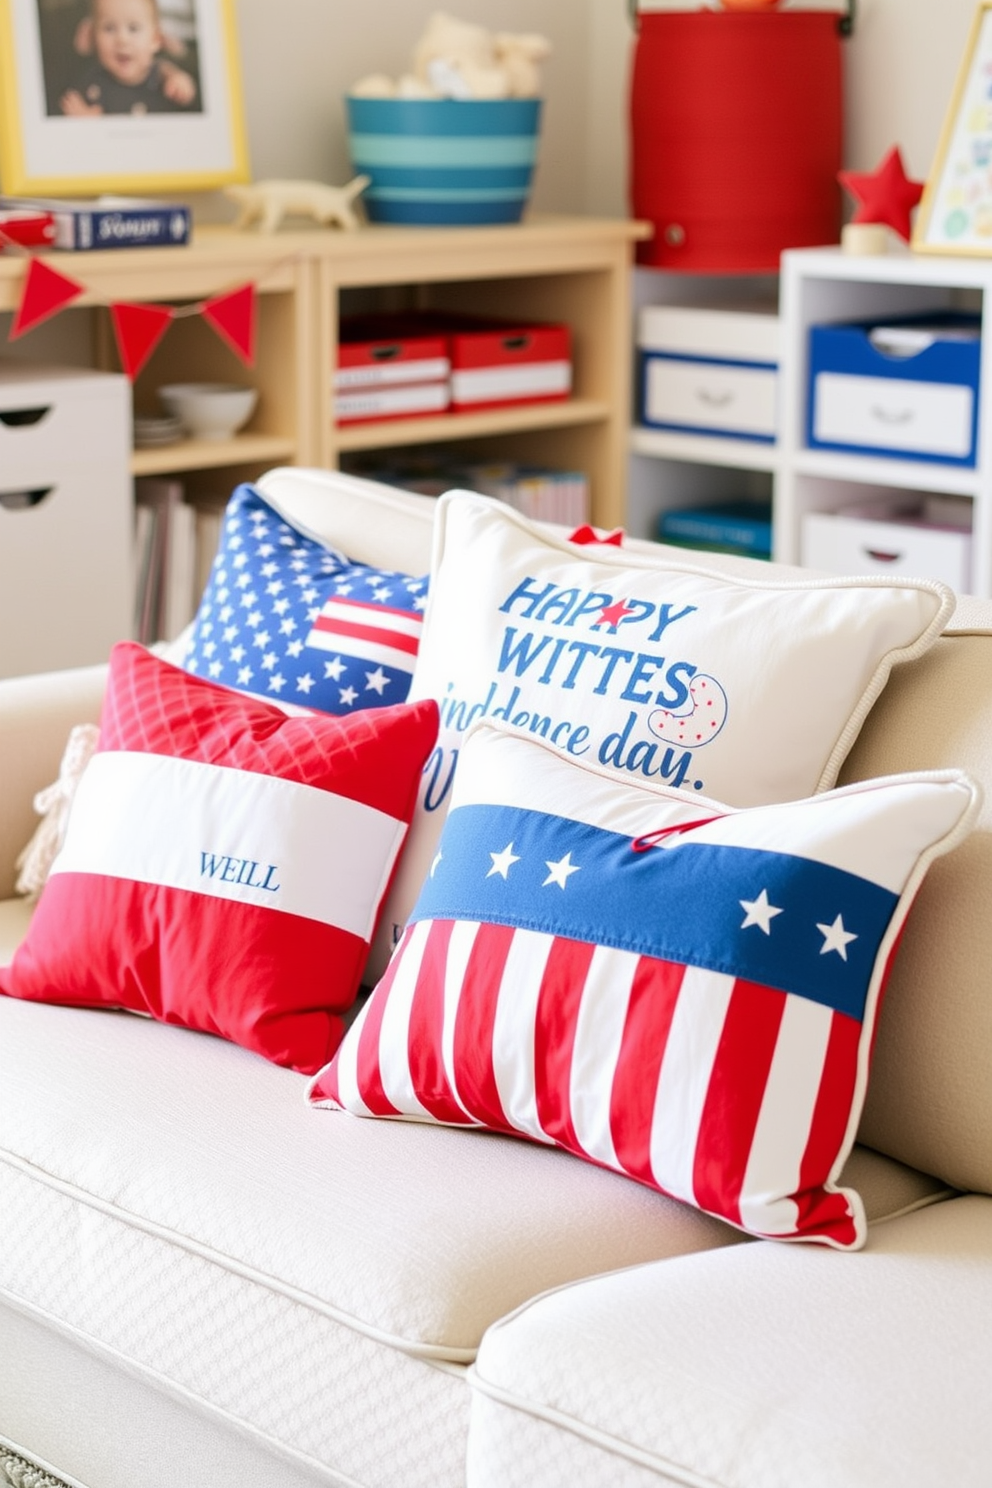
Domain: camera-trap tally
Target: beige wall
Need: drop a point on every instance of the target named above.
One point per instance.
(300, 55)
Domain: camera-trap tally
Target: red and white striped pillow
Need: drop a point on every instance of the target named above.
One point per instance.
(679, 991)
(224, 863)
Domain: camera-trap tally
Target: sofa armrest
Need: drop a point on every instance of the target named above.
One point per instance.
(36, 715)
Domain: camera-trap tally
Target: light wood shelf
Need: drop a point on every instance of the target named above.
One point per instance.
(570, 269)
(388, 433)
(699, 449)
(204, 454)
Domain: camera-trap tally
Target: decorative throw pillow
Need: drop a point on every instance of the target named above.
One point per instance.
(287, 618)
(224, 862)
(748, 689)
(680, 992)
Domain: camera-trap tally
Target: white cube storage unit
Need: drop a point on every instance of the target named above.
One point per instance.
(710, 371)
(66, 516)
(849, 434)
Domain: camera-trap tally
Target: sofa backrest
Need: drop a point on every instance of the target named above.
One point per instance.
(370, 522)
(930, 1094)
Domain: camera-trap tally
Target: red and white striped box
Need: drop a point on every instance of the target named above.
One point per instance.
(496, 363)
(390, 367)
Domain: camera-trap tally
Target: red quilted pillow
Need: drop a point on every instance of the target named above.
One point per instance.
(224, 863)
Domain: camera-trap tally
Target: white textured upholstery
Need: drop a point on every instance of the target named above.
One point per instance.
(765, 1366)
(302, 1273)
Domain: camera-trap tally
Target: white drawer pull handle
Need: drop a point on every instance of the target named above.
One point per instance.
(906, 416)
(22, 418)
(880, 556)
(23, 500)
(714, 400)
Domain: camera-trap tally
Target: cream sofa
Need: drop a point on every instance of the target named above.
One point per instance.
(204, 1281)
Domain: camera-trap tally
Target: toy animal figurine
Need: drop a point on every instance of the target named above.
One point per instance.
(268, 202)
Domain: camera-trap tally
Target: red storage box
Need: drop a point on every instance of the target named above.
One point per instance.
(390, 367)
(496, 363)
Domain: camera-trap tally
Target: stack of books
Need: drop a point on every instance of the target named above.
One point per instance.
(175, 542)
(103, 222)
(538, 491)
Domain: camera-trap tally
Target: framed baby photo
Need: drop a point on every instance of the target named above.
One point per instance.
(136, 96)
(955, 214)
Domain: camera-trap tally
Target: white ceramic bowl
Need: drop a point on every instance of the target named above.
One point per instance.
(209, 410)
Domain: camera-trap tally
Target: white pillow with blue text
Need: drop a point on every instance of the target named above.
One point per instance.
(750, 690)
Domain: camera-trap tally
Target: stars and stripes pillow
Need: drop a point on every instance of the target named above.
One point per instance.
(224, 862)
(748, 690)
(680, 992)
(286, 618)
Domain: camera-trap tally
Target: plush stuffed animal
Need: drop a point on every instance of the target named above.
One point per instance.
(457, 59)
(519, 55)
(268, 202)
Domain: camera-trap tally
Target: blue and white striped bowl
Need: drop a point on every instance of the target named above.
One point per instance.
(444, 161)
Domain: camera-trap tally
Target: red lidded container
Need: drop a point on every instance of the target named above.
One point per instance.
(736, 122)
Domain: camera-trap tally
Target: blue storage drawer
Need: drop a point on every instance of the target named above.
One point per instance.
(906, 389)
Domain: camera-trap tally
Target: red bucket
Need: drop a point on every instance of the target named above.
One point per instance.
(736, 121)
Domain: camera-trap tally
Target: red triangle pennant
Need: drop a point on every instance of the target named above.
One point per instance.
(45, 293)
(233, 318)
(138, 329)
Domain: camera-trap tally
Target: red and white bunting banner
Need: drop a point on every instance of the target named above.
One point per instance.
(233, 318)
(44, 294)
(138, 330)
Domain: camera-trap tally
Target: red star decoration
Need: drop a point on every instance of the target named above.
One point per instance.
(886, 195)
(614, 613)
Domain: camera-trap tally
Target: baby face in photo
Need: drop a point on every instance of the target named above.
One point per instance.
(126, 38)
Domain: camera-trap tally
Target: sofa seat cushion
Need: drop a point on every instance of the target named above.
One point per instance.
(752, 1368)
(302, 1275)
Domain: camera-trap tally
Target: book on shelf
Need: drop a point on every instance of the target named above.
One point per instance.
(538, 491)
(109, 222)
(743, 527)
(165, 560)
(208, 512)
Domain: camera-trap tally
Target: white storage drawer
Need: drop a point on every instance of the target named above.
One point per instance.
(66, 518)
(907, 389)
(62, 412)
(857, 545)
(710, 398)
(710, 371)
(881, 413)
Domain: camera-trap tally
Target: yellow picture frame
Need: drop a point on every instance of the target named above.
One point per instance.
(130, 146)
(955, 213)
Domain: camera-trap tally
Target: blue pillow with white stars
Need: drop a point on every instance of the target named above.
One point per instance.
(286, 618)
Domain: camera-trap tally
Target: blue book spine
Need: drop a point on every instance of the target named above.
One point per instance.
(153, 226)
(752, 534)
